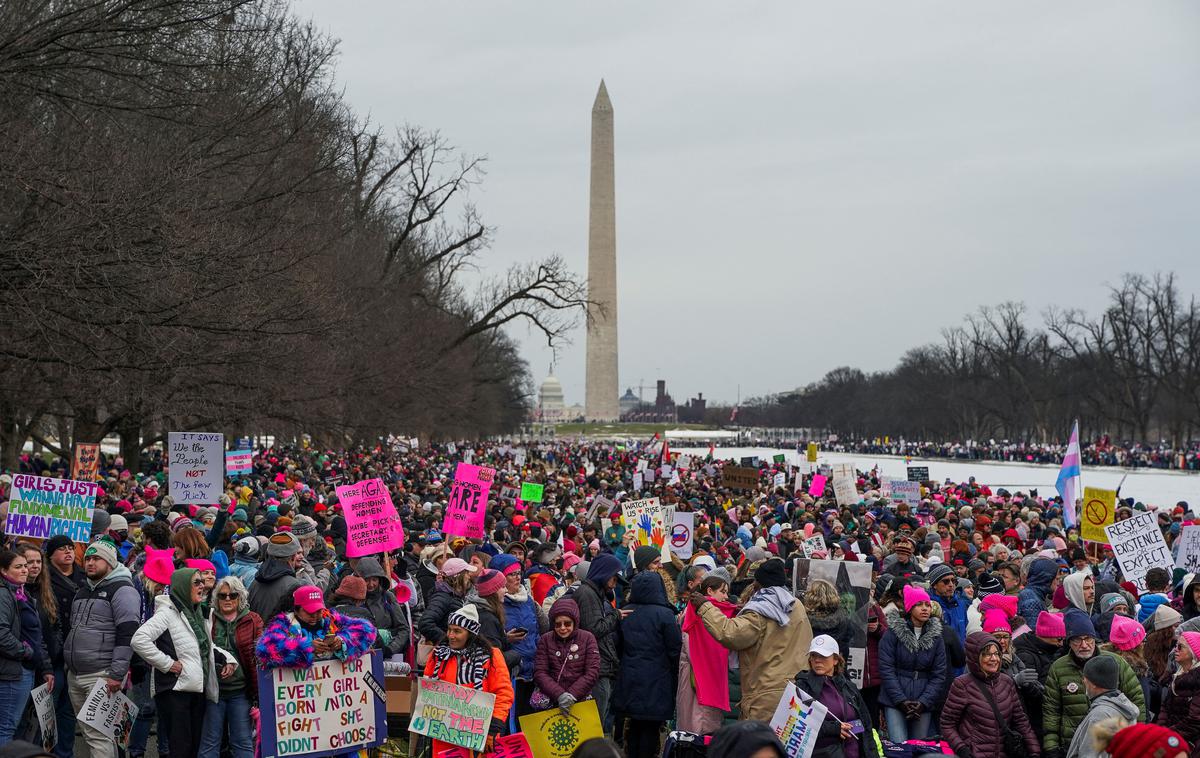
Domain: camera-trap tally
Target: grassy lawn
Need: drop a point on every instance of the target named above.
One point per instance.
(632, 429)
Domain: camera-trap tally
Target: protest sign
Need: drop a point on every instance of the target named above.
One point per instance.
(779, 458)
(740, 477)
(902, 491)
(683, 535)
(371, 521)
(844, 469)
(684, 462)
(797, 721)
(553, 735)
(813, 544)
(509, 746)
(196, 466)
(779, 480)
(638, 481)
(324, 710)
(844, 491)
(42, 507)
(86, 462)
(1189, 549)
(451, 713)
(509, 492)
(531, 492)
(642, 464)
(598, 502)
(239, 462)
(1099, 511)
(852, 580)
(647, 520)
(1139, 546)
(519, 458)
(817, 487)
(918, 473)
(468, 501)
(43, 708)
(812, 452)
(468, 455)
(111, 715)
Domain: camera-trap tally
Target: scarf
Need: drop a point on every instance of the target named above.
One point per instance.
(18, 590)
(472, 664)
(181, 598)
(709, 658)
(774, 603)
(520, 596)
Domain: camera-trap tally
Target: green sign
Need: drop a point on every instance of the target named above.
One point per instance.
(531, 493)
(781, 458)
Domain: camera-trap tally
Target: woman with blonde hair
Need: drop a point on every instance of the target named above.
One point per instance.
(826, 614)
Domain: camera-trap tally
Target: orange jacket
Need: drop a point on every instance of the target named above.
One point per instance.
(496, 681)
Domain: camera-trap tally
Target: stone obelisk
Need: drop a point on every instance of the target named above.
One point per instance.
(602, 393)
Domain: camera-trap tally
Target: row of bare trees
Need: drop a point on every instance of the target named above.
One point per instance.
(198, 232)
(1131, 371)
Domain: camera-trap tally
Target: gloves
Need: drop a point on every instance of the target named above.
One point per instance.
(912, 708)
(566, 700)
(1055, 753)
(385, 636)
(964, 751)
(496, 727)
(1025, 677)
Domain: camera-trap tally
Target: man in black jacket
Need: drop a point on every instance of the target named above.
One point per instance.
(597, 616)
(1038, 650)
(66, 577)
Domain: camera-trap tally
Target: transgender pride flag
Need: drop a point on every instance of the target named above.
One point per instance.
(1068, 478)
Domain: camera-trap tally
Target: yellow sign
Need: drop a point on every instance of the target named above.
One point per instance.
(812, 452)
(553, 735)
(1099, 510)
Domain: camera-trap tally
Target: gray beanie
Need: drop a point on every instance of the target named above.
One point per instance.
(100, 521)
(303, 526)
(282, 545)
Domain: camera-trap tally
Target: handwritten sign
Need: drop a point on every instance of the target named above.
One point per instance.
(196, 462)
(817, 488)
(1139, 546)
(683, 535)
(902, 491)
(553, 735)
(740, 477)
(324, 710)
(647, 520)
(43, 707)
(600, 501)
(813, 544)
(111, 715)
(239, 462)
(40, 506)
(1099, 511)
(86, 463)
(468, 500)
(797, 721)
(372, 525)
(531, 492)
(452, 713)
(918, 473)
(845, 491)
(1189, 549)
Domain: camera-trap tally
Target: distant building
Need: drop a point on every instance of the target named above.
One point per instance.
(629, 402)
(692, 412)
(551, 407)
(662, 410)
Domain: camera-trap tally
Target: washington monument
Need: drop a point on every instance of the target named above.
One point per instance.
(602, 392)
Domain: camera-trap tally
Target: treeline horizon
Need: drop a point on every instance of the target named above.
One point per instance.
(1131, 371)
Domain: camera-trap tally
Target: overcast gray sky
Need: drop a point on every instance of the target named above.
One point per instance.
(807, 185)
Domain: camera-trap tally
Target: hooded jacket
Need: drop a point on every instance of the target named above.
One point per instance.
(1187, 602)
(596, 613)
(385, 610)
(570, 665)
(12, 650)
(273, 587)
(912, 667)
(520, 612)
(1104, 706)
(104, 617)
(650, 646)
(442, 602)
(1181, 708)
(1066, 700)
(967, 720)
(168, 637)
(836, 625)
(1073, 588)
(244, 569)
(829, 742)
(1035, 597)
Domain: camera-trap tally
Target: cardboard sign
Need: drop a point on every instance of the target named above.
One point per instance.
(598, 502)
(196, 466)
(902, 491)
(324, 710)
(814, 544)
(42, 507)
(797, 721)
(371, 521)
(239, 462)
(86, 461)
(844, 469)
(852, 579)
(1099, 510)
(468, 501)
(812, 452)
(683, 535)
(740, 477)
(531, 492)
(647, 520)
(817, 487)
(553, 735)
(111, 715)
(845, 491)
(1189, 549)
(43, 708)
(451, 713)
(918, 473)
(1138, 546)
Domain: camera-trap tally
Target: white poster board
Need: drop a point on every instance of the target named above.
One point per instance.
(797, 721)
(196, 466)
(111, 715)
(1139, 546)
(683, 535)
(43, 708)
(844, 491)
(902, 491)
(1188, 557)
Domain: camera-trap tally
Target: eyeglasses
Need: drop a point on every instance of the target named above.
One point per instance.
(197, 582)
(227, 595)
(564, 624)
(989, 655)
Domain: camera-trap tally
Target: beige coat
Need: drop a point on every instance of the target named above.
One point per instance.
(769, 655)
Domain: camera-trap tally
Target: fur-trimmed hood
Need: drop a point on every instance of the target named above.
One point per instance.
(899, 625)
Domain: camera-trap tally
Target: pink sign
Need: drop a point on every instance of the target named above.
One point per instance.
(372, 525)
(510, 746)
(817, 488)
(468, 501)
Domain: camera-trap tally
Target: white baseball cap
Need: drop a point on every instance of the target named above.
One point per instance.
(824, 646)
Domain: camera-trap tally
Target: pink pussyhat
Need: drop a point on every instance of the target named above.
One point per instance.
(914, 595)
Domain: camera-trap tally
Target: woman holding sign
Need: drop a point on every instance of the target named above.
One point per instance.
(468, 660)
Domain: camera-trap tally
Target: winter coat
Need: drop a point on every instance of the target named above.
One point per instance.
(386, 612)
(1104, 706)
(570, 665)
(836, 625)
(441, 603)
(273, 588)
(31, 631)
(1181, 708)
(650, 645)
(911, 667)
(954, 612)
(1066, 700)
(64, 588)
(244, 569)
(103, 620)
(1034, 598)
(597, 616)
(490, 627)
(871, 677)
(769, 655)
(168, 637)
(1038, 655)
(967, 720)
(1187, 604)
(12, 650)
(1148, 604)
(284, 644)
(426, 577)
(520, 612)
(495, 681)
(829, 743)
(245, 635)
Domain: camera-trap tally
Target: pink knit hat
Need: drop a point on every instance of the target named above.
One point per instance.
(914, 595)
(159, 565)
(1192, 639)
(1005, 603)
(489, 583)
(994, 620)
(200, 564)
(1126, 634)
(1050, 625)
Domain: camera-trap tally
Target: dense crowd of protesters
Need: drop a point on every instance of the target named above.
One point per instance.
(991, 631)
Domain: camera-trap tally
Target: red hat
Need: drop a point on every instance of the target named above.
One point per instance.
(1147, 741)
(614, 516)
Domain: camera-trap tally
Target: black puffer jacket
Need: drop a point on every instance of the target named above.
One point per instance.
(385, 609)
(1038, 655)
(442, 602)
(829, 742)
(1181, 708)
(597, 616)
(650, 646)
(836, 625)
